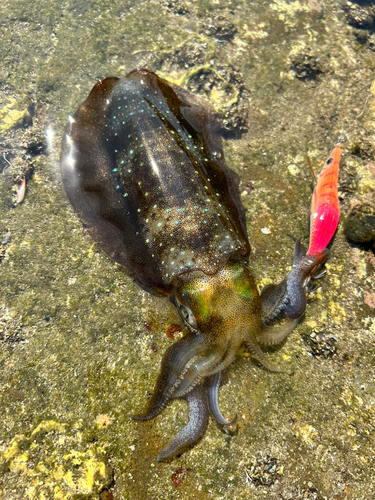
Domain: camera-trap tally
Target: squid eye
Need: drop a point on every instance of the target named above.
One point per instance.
(186, 314)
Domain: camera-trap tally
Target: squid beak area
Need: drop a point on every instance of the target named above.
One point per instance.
(174, 366)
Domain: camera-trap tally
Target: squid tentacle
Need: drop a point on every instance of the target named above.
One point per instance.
(193, 430)
(176, 361)
(273, 335)
(212, 393)
(259, 355)
(202, 400)
(288, 298)
(200, 368)
(220, 357)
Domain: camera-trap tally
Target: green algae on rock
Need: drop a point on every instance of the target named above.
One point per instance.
(55, 461)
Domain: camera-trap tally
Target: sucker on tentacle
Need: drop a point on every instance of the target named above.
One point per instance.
(274, 335)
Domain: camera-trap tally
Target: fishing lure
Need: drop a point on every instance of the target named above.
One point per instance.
(143, 166)
(325, 210)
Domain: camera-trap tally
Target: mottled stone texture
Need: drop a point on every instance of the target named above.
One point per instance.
(81, 344)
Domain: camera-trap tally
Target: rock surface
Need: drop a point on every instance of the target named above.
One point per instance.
(81, 344)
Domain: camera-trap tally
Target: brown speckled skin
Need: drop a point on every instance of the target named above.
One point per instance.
(179, 193)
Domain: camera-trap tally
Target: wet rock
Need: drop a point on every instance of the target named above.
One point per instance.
(3, 245)
(176, 7)
(359, 227)
(236, 122)
(306, 66)
(35, 143)
(11, 329)
(191, 54)
(348, 182)
(371, 42)
(262, 470)
(362, 36)
(227, 82)
(362, 2)
(360, 16)
(22, 149)
(320, 345)
(363, 148)
(204, 80)
(7, 153)
(55, 460)
(219, 28)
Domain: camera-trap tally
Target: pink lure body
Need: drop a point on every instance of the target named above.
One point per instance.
(325, 210)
